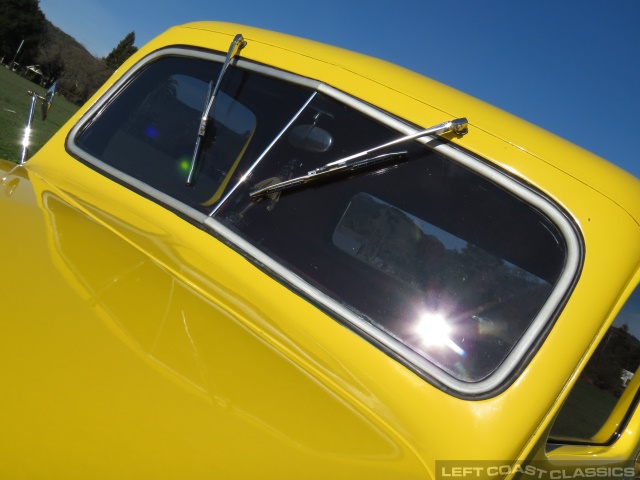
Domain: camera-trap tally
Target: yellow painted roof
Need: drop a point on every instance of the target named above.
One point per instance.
(617, 184)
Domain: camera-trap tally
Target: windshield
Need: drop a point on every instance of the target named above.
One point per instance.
(441, 259)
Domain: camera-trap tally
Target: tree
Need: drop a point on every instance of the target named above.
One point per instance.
(20, 20)
(122, 52)
(54, 46)
(51, 60)
(63, 59)
(83, 74)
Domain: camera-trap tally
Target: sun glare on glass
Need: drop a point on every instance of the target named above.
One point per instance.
(434, 331)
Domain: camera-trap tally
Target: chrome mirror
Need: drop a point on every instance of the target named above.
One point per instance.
(48, 100)
(46, 106)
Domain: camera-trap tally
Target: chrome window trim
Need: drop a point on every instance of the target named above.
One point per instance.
(524, 347)
(148, 190)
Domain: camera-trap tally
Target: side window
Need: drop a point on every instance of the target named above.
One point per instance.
(149, 129)
(607, 389)
(445, 261)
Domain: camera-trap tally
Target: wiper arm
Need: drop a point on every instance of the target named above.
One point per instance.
(317, 174)
(459, 126)
(236, 45)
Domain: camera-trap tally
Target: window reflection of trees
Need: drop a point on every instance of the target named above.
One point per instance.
(490, 301)
(619, 351)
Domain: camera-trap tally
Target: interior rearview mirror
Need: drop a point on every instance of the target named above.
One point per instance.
(310, 138)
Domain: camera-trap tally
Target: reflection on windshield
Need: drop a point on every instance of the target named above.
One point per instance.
(435, 330)
(476, 304)
(425, 237)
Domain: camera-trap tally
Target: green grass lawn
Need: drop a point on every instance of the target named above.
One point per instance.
(14, 111)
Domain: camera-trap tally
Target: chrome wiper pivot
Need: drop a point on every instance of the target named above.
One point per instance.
(236, 45)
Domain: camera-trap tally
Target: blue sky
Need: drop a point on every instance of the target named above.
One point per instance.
(569, 66)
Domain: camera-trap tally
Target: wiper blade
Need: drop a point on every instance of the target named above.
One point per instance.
(236, 45)
(459, 126)
(318, 175)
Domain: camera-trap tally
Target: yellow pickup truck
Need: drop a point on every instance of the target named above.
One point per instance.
(252, 256)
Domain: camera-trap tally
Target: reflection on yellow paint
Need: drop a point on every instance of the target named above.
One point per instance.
(249, 389)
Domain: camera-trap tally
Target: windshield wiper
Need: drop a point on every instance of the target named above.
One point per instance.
(327, 171)
(459, 126)
(236, 45)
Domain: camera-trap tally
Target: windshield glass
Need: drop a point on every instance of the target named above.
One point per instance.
(447, 262)
(149, 128)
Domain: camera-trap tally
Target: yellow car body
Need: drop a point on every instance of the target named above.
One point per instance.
(139, 343)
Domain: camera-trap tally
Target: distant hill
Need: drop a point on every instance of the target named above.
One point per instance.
(61, 58)
(54, 35)
(35, 48)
